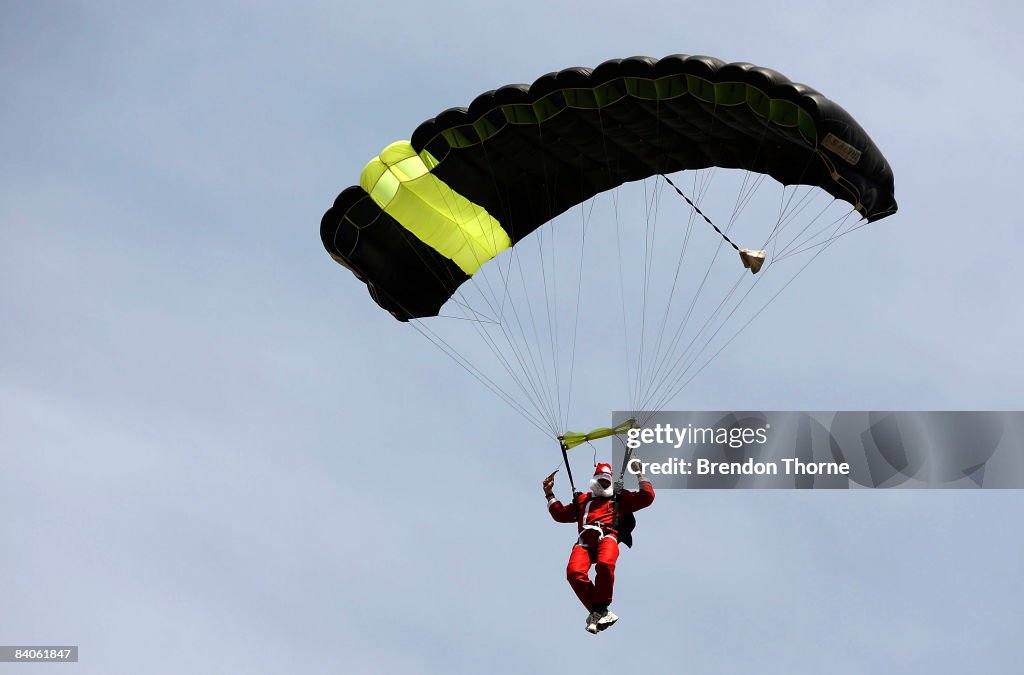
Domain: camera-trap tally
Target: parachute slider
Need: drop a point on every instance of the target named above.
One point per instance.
(752, 260)
(573, 438)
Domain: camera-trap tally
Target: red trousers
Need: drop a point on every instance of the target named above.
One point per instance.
(598, 592)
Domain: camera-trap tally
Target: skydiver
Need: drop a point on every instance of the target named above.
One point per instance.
(600, 516)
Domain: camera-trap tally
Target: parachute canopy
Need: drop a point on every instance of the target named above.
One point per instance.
(472, 182)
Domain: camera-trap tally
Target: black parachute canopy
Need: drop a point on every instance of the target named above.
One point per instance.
(525, 154)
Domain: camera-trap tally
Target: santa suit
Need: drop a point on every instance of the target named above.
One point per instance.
(598, 543)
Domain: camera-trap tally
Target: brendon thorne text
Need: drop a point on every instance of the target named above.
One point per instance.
(790, 466)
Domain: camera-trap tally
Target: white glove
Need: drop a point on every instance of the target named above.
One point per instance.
(640, 477)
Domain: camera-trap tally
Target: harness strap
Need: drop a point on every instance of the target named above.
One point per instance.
(583, 525)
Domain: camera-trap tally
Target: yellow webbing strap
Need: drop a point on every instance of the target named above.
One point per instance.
(573, 438)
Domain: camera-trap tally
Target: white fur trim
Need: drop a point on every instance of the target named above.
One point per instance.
(599, 491)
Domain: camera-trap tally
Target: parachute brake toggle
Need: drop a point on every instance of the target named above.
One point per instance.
(752, 260)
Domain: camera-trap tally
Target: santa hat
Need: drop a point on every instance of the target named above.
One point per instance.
(603, 471)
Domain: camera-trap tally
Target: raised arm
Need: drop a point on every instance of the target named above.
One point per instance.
(559, 511)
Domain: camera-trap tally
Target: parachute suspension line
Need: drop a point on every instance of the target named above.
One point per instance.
(622, 275)
(710, 322)
(544, 344)
(652, 208)
(671, 297)
(622, 292)
(650, 232)
(773, 235)
(655, 207)
(554, 393)
(618, 246)
(531, 377)
(680, 331)
(584, 221)
(806, 201)
(669, 386)
(556, 347)
(796, 248)
(441, 344)
(453, 353)
(790, 211)
(672, 372)
(541, 373)
(552, 325)
(538, 372)
(508, 212)
(700, 213)
(537, 398)
(678, 334)
(646, 375)
(505, 205)
(748, 322)
(461, 300)
(517, 345)
(534, 399)
(745, 194)
(786, 214)
(555, 401)
(679, 384)
(650, 237)
(486, 321)
(453, 212)
(837, 234)
(643, 297)
(646, 393)
(793, 247)
(859, 223)
(689, 355)
(701, 184)
(681, 366)
(809, 192)
(500, 357)
(743, 198)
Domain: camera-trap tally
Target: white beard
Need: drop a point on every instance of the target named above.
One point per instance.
(598, 491)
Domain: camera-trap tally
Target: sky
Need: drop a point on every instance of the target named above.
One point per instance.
(218, 455)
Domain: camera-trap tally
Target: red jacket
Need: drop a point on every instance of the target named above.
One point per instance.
(600, 510)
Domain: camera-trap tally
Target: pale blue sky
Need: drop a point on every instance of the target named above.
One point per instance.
(218, 455)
